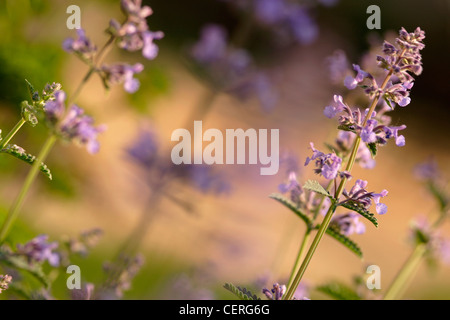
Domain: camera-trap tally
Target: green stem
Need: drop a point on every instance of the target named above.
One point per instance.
(15, 208)
(303, 244)
(406, 272)
(12, 133)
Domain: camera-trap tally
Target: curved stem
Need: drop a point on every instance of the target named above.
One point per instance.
(406, 272)
(15, 208)
(12, 133)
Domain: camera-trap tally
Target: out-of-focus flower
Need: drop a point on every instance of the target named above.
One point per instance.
(84, 242)
(134, 34)
(81, 46)
(5, 280)
(429, 170)
(348, 223)
(231, 69)
(338, 66)
(122, 73)
(344, 142)
(422, 232)
(276, 293)
(185, 288)
(39, 250)
(72, 124)
(327, 165)
(85, 293)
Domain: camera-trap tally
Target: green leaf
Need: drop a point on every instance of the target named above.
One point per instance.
(241, 293)
(373, 149)
(388, 102)
(33, 93)
(339, 291)
(315, 186)
(292, 206)
(346, 128)
(336, 234)
(19, 262)
(361, 210)
(20, 154)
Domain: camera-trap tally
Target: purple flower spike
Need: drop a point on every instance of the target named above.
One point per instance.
(276, 293)
(81, 46)
(150, 49)
(367, 133)
(123, 73)
(39, 250)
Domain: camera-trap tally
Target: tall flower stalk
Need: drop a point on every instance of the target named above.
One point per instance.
(398, 61)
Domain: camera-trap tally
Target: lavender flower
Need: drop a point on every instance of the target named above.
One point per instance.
(348, 223)
(134, 34)
(5, 280)
(327, 165)
(351, 82)
(428, 170)
(81, 46)
(87, 240)
(85, 293)
(344, 142)
(122, 73)
(39, 250)
(338, 66)
(276, 293)
(72, 124)
(360, 196)
(292, 187)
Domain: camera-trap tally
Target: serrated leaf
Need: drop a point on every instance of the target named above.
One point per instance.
(20, 154)
(336, 234)
(361, 210)
(346, 128)
(373, 149)
(241, 293)
(315, 186)
(21, 263)
(339, 291)
(291, 206)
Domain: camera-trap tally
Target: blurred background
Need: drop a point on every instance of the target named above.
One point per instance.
(196, 235)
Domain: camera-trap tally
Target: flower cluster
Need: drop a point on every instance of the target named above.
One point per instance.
(72, 124)
(276, 293)
(134, 34)
(39, 250)
(122, 73)
(5, 280)
(82, 46)
(360, 196)
(327, 165)
(231, 69)
(348, 223)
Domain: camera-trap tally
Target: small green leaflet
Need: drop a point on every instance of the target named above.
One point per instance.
(339, 291)
(20, 154)
(361, 210)
(241, 293)
(373, 149)
(292, 206)
(336, 234)
(315, 186)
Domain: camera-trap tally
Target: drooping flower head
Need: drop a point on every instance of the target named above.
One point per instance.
(348, 223)
(358, 195)
(81, 46)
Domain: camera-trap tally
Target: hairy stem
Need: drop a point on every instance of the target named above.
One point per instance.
(406, 272)
(12, 133)
(17, 205)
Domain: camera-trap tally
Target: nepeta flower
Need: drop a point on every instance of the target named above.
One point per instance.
(327, 165)
(428, 170)
(81, 46)
(351, 82)
(5, 280)
(134, 34)
(276, 293)
(292, 187)
(122, 73)
(72, 124)
(348, 223)
(338, 107)
(338, 66)
(82, 244)
(39, 250)
(360, 196)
